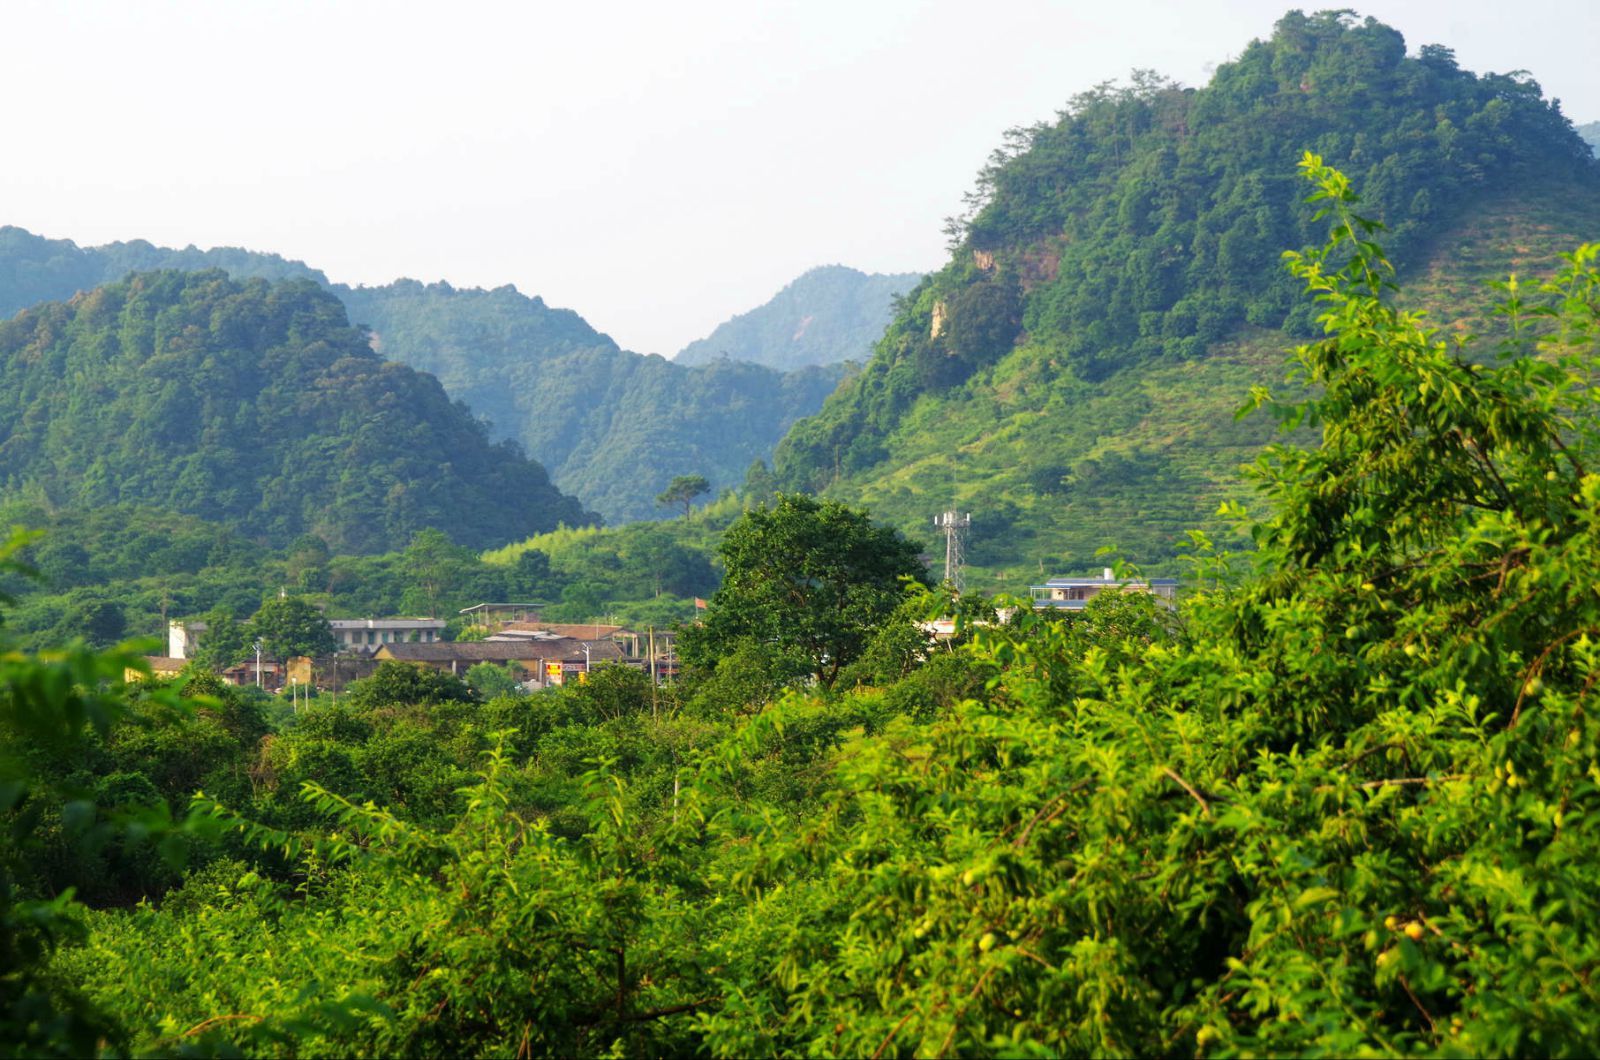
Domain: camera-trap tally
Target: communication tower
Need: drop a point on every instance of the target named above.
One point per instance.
(954, 526)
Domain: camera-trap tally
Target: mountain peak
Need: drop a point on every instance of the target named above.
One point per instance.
(1117, 285)
(827, 314)
(255, 404)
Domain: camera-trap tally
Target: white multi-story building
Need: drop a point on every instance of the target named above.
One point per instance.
(364, 636)
(357, 636)
(182, 638)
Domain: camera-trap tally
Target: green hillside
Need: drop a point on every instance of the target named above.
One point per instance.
(1591, 133)
(255, 405)
(613, 427)
(1071, 375)
(830, 314)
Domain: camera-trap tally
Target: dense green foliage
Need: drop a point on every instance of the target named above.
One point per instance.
(809, 580)
(1066, 375)
(62, 824)
(831, 313)
(1343, 802)
(1342, 809)
(257, 406)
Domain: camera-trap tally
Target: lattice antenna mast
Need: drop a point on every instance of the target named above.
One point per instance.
(954, 526)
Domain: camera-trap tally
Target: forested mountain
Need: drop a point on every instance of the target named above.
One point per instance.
(613, 427)
(1591, 133)
(256, 405)
(830, 314)
(1071, 374)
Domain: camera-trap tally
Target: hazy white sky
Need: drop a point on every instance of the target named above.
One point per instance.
(655, 166)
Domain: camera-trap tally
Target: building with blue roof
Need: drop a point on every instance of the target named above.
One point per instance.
(1074, 594)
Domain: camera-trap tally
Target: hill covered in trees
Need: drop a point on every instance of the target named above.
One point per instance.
(832, 313)
(613, 427)
(1591, 133)
(252, 404)
(1071, 374)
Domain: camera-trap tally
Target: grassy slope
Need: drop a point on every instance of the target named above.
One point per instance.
(1522, 234)
(1171, 424)
(1164, 446)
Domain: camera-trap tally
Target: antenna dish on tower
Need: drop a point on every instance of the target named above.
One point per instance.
(954, 526)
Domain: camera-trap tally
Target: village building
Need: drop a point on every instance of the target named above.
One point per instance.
(581, 630)
(357, 636)
(546, 661)
(183, 638)
(160, 666)
(267, 674)
(654, 651)
(364, 636)
(329, 673)
(493, 616)
(1074, 594)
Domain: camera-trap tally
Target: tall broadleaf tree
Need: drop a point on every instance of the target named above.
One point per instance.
(811, 578)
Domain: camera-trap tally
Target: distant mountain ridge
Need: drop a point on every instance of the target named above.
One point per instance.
(829, 314)
(612, 427)
(35, 269)
(255, 405)
(1591, 133)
